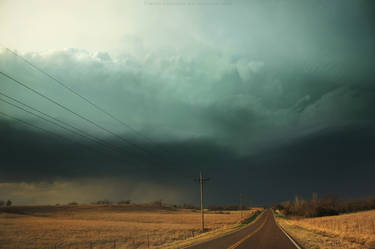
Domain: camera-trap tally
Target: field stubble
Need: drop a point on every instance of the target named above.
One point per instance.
(123, 226)
(355, 230)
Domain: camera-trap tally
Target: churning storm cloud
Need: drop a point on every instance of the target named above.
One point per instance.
(269, 98)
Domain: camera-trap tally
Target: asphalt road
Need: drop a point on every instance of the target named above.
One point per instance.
(264, 233)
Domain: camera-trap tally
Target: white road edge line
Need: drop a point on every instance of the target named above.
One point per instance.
(287, 235)
(223, 235)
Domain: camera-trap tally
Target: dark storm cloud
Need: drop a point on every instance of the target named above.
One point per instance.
(276, 99)
(47, 157)
(337, 160)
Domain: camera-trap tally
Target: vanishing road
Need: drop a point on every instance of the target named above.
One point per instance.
(264, 233)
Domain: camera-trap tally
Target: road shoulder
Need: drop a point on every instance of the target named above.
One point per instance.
(212, 235)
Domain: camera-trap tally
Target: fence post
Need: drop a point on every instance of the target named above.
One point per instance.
(114, 244)
(90, 245)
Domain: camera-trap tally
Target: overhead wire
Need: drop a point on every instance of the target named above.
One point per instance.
(55, 121)
(53, 133)
(31, 125)
(71, 111)
(47, 120)
(87, 100)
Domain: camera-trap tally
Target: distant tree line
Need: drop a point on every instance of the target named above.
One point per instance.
(157, 203)
(103, 202)
(211, 207)
(126, 202)
(227, 207)
(323, 207)
(7, 203)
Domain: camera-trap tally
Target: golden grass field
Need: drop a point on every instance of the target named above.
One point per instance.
(355, 230)
(129, 226)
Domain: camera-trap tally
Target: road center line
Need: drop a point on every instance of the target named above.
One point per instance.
(238, 243)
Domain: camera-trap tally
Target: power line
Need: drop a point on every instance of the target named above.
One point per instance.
(47, 120)
(79, 95)
(31, 125)
(71, 111)
(57, 123)
(74, 129)
(55, 134)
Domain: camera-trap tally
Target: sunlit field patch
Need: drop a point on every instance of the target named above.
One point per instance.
(101, 226)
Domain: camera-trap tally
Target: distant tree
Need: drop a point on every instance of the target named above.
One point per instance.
(73, 203)
(104, 202)
(298, 202)
(315, 196)
(157, 203)
(124, 202)
(216, 207)
(233, 207)
(189, 206)
(2, 203)
(9, 203)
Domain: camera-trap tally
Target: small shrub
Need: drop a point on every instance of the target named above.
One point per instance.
(127, 202)
(104, 202)
(9, 203)
(158, 203)
(251, 218)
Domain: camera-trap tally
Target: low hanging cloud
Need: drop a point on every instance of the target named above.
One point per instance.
(52, 171)
(178, 96)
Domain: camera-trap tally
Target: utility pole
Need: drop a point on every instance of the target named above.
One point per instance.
(241, 204)
(201, 182)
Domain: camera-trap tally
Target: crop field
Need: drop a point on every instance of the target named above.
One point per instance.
(105, 226)
(355, 230)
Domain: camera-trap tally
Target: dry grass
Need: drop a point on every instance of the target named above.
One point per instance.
(130, 226)
(356, 230)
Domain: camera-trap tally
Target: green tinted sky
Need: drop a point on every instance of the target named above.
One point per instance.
(244, 77)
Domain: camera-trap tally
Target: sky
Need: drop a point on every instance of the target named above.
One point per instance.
(270, 99)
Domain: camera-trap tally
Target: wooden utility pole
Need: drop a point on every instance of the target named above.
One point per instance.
(241, 204)
(202, 203)
(201, 182)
